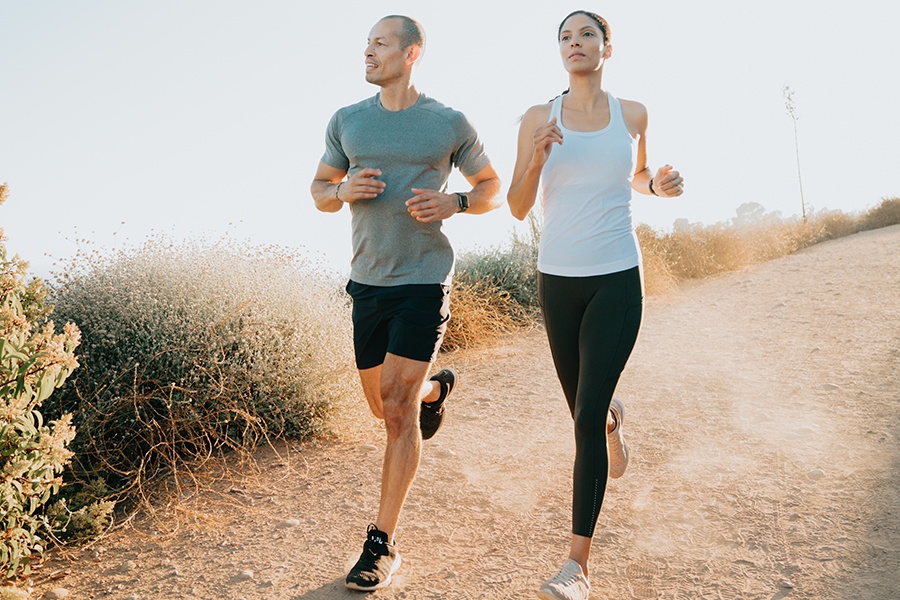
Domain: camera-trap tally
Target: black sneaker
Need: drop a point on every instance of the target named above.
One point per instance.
(376, 565)
(432, 414)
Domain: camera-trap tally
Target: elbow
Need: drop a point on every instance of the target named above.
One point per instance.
(517, 210)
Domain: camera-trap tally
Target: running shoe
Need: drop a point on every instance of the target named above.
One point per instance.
(432, 414)
(569, 584)
(376, 565)
(618, 449)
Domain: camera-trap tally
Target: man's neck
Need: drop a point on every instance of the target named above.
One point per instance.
(397, 97)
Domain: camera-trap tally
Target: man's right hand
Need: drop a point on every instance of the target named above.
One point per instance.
(363, 185)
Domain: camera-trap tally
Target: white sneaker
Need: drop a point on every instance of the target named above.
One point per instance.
(618, 449)
(569, 584)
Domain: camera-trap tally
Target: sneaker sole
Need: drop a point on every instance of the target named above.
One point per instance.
(547, 595)
(618, 469)
(394, 568)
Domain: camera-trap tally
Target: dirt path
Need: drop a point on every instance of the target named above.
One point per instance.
(762, 411)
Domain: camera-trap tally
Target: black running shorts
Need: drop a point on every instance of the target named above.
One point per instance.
(406, 320)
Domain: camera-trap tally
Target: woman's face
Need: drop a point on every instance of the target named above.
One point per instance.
(582, 45)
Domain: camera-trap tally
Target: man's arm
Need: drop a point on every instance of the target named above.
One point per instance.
(428, 206)
(331, 191)
(324, 187)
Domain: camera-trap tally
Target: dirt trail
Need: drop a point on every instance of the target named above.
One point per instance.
(762, 412)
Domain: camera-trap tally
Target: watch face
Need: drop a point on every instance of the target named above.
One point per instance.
(463, 202)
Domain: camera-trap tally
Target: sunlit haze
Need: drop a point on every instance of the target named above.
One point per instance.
(118, 119)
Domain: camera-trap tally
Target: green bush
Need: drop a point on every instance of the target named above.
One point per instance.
(511, 269)
(34, 361)
(193, 348)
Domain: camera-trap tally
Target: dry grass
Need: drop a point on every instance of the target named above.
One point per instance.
(480, 312)
(884, 215)
(496, 289)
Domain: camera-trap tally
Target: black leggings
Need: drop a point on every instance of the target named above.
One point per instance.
(592, 324)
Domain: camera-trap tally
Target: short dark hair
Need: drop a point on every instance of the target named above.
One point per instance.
(601, 23)
(411, 31)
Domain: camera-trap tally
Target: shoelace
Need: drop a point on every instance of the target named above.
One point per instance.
(567, 577)
(375, 549)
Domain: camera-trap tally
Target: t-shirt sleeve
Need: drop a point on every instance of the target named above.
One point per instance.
(470, 157)
(334, 153)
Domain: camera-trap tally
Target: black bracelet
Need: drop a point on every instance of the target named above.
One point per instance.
(336, 190)
(651, 188)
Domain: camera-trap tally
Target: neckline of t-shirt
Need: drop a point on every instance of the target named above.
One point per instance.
(559, 120)
(395, 112)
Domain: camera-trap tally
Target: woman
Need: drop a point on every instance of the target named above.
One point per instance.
(587, 151)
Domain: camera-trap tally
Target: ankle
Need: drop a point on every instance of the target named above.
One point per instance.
(434, 394)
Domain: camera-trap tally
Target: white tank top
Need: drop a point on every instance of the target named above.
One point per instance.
(586, 200)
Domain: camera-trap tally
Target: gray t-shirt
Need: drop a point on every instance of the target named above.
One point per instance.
(414, 148)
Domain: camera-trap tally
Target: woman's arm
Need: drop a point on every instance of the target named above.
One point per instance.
(536, 139)
(667, 182)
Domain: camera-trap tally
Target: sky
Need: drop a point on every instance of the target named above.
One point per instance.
(122, 120)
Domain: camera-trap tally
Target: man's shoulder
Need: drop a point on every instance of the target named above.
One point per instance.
(435, 107)
(357, 107)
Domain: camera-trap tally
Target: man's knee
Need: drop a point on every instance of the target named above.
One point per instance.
(399, 400)
(399, 414)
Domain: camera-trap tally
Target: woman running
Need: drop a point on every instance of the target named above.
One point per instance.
(587, 150)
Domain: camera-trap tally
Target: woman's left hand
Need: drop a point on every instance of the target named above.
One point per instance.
(668, 182)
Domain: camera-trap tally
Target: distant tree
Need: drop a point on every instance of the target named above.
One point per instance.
(749, 213)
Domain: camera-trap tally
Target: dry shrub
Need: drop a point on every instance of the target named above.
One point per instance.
(693, 252)
(697, 252)
(836, 224)
(190, 349)
(884, 215)
(480, 312)
(776, 239)
(658, 278)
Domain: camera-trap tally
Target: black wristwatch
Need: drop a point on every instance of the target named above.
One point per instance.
(463, 202)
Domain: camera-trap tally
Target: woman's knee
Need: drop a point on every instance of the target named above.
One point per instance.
(590, 421)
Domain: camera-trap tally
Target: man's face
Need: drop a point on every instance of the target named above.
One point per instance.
(385, 60)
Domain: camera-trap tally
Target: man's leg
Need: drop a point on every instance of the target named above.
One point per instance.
(371, 383)
(394, 391)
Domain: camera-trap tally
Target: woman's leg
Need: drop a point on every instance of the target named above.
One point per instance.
(608, 311)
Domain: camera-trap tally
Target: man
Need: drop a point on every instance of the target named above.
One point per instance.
(398, 149)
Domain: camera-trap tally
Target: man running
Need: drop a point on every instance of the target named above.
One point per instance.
(389, 158)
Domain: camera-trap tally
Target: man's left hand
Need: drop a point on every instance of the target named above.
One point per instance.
(428, 206)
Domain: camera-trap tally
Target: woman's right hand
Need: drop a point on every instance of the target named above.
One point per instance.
(544, 137)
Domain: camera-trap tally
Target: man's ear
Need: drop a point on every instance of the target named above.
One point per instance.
(413, 53)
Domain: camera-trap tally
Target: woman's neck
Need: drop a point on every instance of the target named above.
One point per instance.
(585, 91)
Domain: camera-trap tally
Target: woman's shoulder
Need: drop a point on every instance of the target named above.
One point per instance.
(633, 108)
(635, 114)
(537, 114)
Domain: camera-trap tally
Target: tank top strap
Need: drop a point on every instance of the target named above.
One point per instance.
(615, 111)
(556, 109)
(617, 119)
